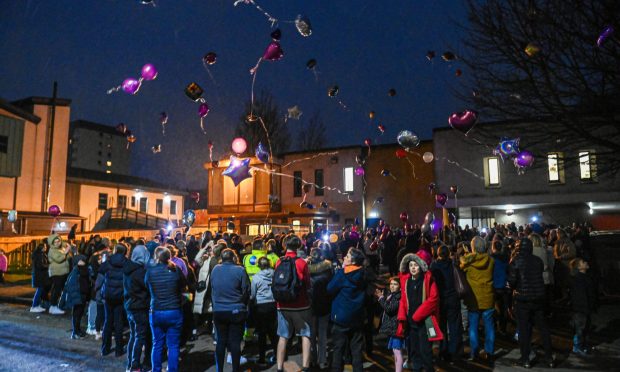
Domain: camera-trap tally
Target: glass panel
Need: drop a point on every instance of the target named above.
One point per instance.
(554, 171)
(348, 179)
(159, 206)
(103, 201)
(493, 171)
(584, 165)
(173, 207)
(143, 204)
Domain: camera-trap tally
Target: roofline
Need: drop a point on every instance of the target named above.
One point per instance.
(15, 110)
(37, 100)
(348, 147)
(87, 181)
(86, 124)
(501, 122)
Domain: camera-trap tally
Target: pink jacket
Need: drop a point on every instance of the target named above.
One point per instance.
(4, 263)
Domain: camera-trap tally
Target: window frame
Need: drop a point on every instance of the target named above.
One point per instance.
(487, 172)
(133, 201)
(173, 207)
(99, 201)
(146, 205)
(159, 206)
(4, 144)
(124, 199)
(560, 168)
(591, 163)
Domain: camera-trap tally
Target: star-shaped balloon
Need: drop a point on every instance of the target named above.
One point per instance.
(261, 153)
(238, 170)
(507, 148)
(294, 112)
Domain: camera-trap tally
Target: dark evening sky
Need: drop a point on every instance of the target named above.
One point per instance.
(365, 47)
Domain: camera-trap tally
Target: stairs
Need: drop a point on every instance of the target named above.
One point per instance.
(123, 218)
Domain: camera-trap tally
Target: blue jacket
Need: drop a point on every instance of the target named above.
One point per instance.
(349, 291)
(230, 287)
(166, 286)
(72, 293)
(112, 271)
(500, 271)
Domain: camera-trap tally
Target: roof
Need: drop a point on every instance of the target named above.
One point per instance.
(500, 122)
(28, 102)
(82, 175)
(85, 124)
(349, 147)
(15, 110)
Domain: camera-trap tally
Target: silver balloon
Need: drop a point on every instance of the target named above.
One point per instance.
(303, 25)
(425, 228)
(429, 218)
(408, 139)
(12, 216)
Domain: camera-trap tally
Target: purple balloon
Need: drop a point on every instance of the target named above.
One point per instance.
(524, 159)
(203, 110)
(607, 32)
(273, 52)
(441, 199)
(463, 121)
(149, 72)
(359, 171)
(131, 86)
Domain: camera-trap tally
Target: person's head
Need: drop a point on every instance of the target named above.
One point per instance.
(497, 247)
(394, 284)
(264, 263)
(54, 241)
(578, 265)
(443, 253)
(228, 255)
(316, 254)
(355, 257)
(537, 240)
(162, 255)
(524, 246)
(120, 249)
(479, 245)
(293, 243)
(140, 255)
(414, 264)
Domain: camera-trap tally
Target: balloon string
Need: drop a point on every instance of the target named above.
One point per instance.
(115, 89)
(13, 228)
(309, 158)
(269, 17)
(210, 74)
(163, 128)
(53, 223)
(412, 168)
(463, 168)
(202, 126)
(253, 72)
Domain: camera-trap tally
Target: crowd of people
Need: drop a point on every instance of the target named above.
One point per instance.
(417, 291)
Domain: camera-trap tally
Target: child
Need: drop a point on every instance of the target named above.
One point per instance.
(389, 321)
(264, 308)
(76, 294)
(583, 303)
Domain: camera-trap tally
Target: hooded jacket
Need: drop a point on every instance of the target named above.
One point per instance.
(348, 288)
(261, 287)
(134, 289)
(443, 273)
(525, 276)
(40, 266)
(112, 272)
(389, 318)
(478, 268)
(58, 263)
(202, 301)
(321, 273)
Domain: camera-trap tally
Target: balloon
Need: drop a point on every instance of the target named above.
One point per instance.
(193, 91)
(189, 216)
(333, 91)
(12, 216)
(54, 211)
(163, 118)
(368, 142)
(429, 218)
(408, 139)
(276, 35)
(333, 238)
(303, 25)
(448, 56)
(605, 34)
(261, 153)
(251, 118)
(273, 52)
(357, 221)
(401, 154)
(385, 172)
(209, 58)
(203, 110)
(359, 171)
(428, 157)
(431, 187)
(195, 195)
(274, 199)
(294, 112)
(524, 159)
(309, 205)
(307, 187)
(311, 63)
(532, 49)
(404, 216)
(381, 128)
(156, 149)
(454, 189)
(238, 170)
(507, 148)
(451, 217)
(149, 72)
(121, 128)
(458, 72)
(371, 114)
(425, 228)
(239, 145)
(131, 86)
(430, 55)
(324, 205)
(303, 204)
(392, 92)
(463, 121)
(354, 235)
(441, 199)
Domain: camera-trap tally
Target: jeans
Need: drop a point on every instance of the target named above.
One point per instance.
(489, 330)
(581, 323)
(58, 283)
(452, 327)
(76, 317)
(529, 314)
(166, 328)
(113, 320)
(40, 294)
(139, 335)
(266, 325)
(319, 334)
(229, 326)
(421, 348)
(92, 314)
(354, 337)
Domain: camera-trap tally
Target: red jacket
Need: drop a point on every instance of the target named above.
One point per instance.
(429, 306)
(303, 300)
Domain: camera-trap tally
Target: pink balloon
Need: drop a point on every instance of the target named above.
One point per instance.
(273, 52)
(441, 199)
(239, 145)
(54, 211)
(359, 171)
(131, 86)
(149, 72)
(463, 121)
(203, 110)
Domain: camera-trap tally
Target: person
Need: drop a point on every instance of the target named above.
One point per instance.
(136, 306)
(40, 278)
(564, 252)
(348, 288)
(478, 268)
(230, 295)
(525, 276)
(250, 261)
(389, 320)
(96, 308)
(390, 250)
(202, 301)
(540, 251)
(4, 265)
(166, 285)
(419, 308)
(501, 292)
(112, 294)
(583, 304)
(294, 315)
(76, 294)
(321, 272)
(264, 309)
(71, 236)
(58, 270)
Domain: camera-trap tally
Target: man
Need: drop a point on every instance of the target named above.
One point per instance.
(525, 276)
(112, 294)
(294, 315)
(348, 288)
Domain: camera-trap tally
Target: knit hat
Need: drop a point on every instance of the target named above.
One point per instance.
(51, 238)
(140, 255)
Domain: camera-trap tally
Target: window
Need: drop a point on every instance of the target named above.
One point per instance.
(108, 163)
(297, 184)
(348, 179)
(108, 171)
(173, 207)
(4, 144)
(491, 172)
(143, 205)
(587, 165)
(122, 201)
(133, 201)
(318, 180)
(556, 167)
(159, 206)
(103, 201)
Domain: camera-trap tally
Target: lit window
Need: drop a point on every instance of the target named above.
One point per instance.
(296, 222)
(491, 172)
(108, 163)
(555, 163)
(348, 179)
(108, 171)
(587, 169)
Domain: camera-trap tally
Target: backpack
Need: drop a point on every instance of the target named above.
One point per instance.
(285, 283)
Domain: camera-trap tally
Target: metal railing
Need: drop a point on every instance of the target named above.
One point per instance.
(138, 218)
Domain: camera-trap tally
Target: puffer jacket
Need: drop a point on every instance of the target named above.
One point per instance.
(389, 318)
(321, 272)
(478, 268)
(76, 290)
(349, 290)
(583, 294)
(135, 293)
(261, 287)
(112, 272)
(525, 276)
(58, 262)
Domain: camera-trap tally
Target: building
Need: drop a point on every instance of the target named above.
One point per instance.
(99, 148)
(565, 184)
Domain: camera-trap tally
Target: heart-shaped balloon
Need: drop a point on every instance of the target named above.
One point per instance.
(429, 218)
(261, 153)
(273, 52)
(401, 153)
(441, 199)
(463, 121)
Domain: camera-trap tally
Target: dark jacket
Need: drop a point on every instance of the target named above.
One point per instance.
(77, 288)
(112, 271)
(443, 273)
(320, 274)
(583, 294)
(525, 276)
(134, 289)
(389, 318)
(230, 287)
(40, 265)
(166, 285)
(349, 292)
(500, 270)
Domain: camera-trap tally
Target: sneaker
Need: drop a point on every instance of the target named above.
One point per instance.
(243, 360)
(54, 310)
(97, 335)
(76, 336)
(323, 365)
(37, 309)
(90, 331)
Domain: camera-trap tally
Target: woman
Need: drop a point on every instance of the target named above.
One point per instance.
(40, 278)
(564, 251)
(4, 265)
(166, 285)
(202, 301)
(501, 291)
(58, 270)
(264, 309)
(321, 272)
(231, 292)
(76, 294)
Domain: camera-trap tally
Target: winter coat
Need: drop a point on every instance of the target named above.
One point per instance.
(166, 286)
(541, 252)
(261, 287)
(135, 293)
(430, 301)
(348, 288)
(444, 277)
(202, 301)
(525, 276)
(112, 271)
(77, 288)
(40, 267)
(389, 318)
(58, 262)
(500, 271)
(320, 275)
(478, 268)
(231, 287)
(583, 294)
